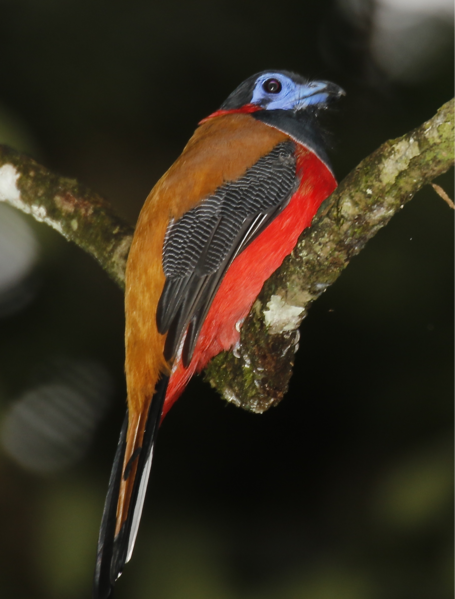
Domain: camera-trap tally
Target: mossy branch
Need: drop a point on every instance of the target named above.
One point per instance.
(255, 375)
(69, 207)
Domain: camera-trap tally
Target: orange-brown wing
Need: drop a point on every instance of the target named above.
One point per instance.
(220, 151)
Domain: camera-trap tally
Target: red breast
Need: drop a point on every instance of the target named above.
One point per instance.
(247, 274)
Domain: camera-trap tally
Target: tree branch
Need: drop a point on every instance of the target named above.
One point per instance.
(255, 375)
(69, 207)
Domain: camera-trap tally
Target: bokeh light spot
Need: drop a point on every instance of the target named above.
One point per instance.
(19, 252)
(51, 426)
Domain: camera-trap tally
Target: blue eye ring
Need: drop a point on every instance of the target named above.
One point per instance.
(272, 86)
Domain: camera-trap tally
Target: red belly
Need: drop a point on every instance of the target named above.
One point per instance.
(247, 274)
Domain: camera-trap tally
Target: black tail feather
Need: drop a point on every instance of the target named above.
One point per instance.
(114, 552)
(102, 584)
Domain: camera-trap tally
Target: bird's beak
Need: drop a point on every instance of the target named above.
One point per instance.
(317, 93)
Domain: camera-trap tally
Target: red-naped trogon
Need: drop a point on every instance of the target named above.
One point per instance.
(213, 229)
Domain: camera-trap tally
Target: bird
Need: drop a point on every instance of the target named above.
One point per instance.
(214, 228)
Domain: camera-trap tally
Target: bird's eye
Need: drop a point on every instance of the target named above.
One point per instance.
(272, 86)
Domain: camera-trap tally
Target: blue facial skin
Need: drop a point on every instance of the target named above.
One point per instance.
(292, 96)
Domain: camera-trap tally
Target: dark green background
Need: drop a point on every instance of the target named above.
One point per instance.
(343, 491)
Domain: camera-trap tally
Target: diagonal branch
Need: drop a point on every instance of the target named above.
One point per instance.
(67, 206)
(255, 375)
(362, 204)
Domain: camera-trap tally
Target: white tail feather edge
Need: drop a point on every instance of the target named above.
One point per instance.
(139, 506)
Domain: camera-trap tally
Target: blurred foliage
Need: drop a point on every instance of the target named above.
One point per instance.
(344, 490)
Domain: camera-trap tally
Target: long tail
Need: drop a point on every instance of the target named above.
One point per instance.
(122, 512)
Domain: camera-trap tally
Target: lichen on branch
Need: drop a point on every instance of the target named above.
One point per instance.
(255, 375)
(76, 212)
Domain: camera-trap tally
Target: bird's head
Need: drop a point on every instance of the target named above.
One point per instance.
(286, 101)
(281, 90)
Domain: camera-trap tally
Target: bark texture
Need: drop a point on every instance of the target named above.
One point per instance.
(79, 214)
(256, 375)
